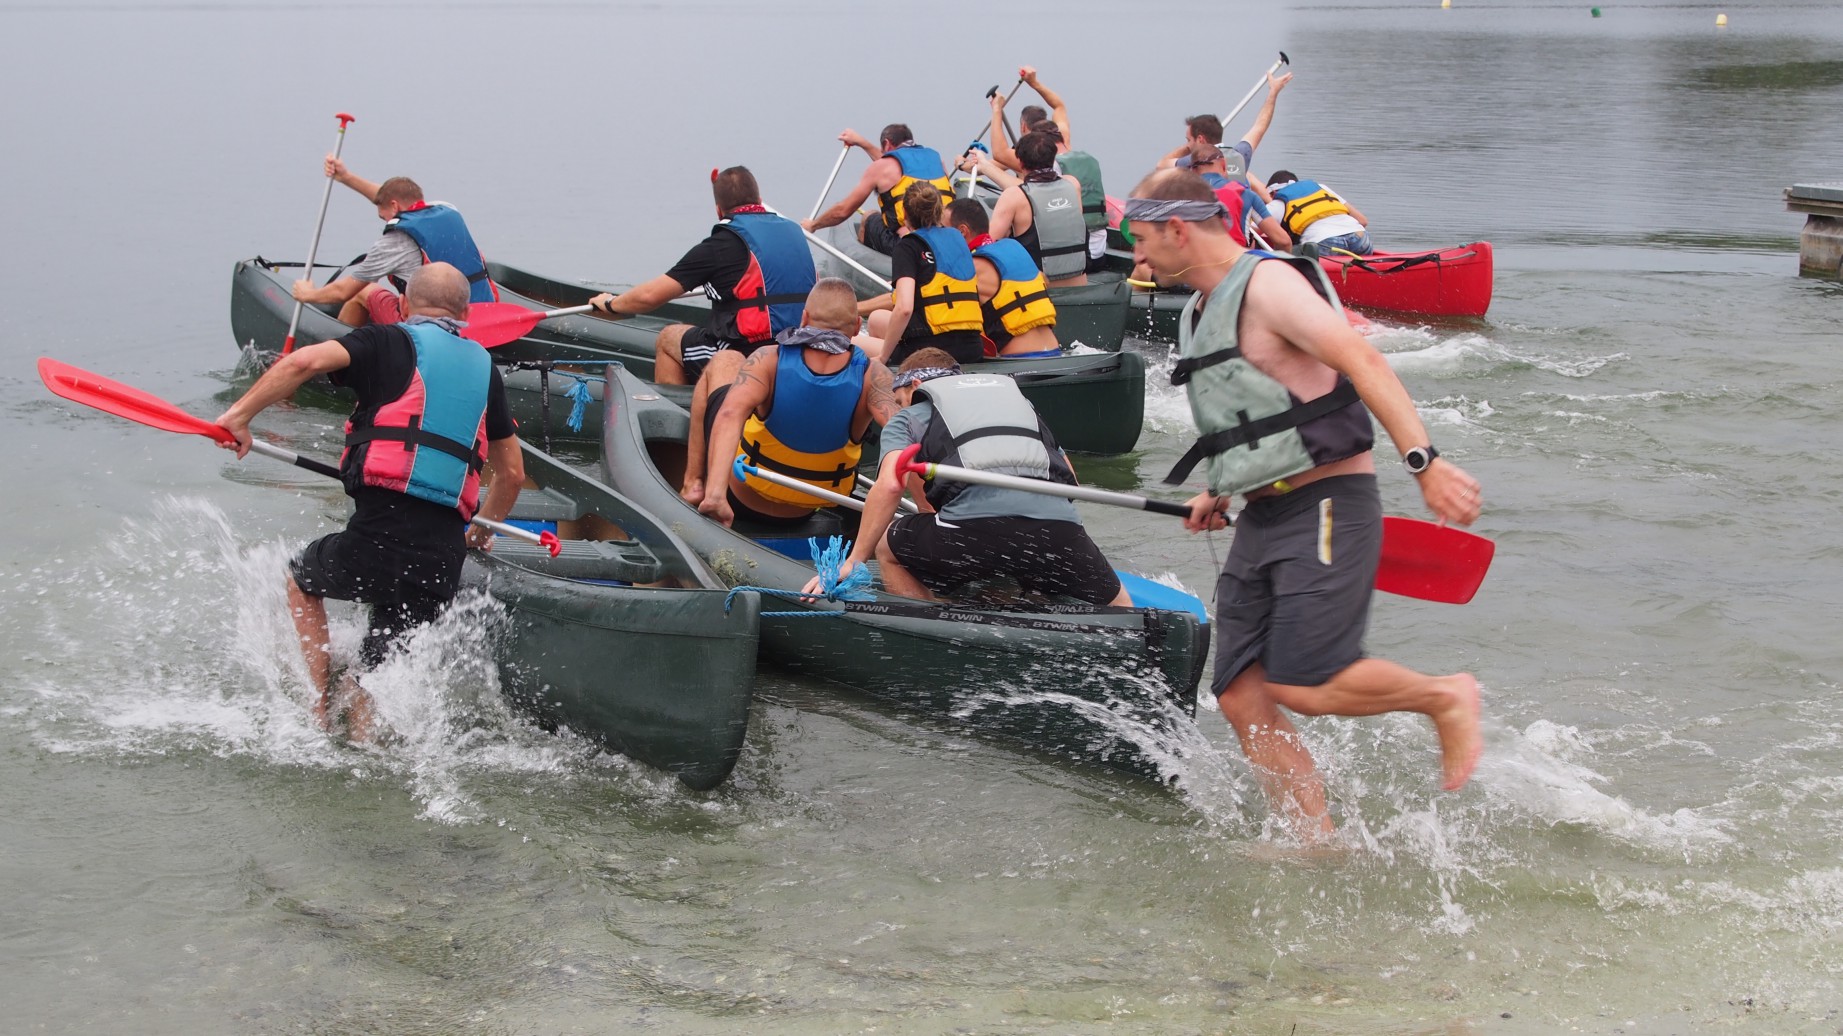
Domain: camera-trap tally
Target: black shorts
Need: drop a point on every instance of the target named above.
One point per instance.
(1043, 556)
(877, 236)
(403, 590)
(1295, 591)
(697, 347)
(964, 346)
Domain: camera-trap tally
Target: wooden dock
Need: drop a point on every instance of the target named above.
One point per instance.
(1820, 246)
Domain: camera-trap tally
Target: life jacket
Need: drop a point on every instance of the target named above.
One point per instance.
(807, 434)
(983, 421)
(1082, 166)
(430, 442)
(918, 163)
(1021, 303)
(1307, 202)
(441, 233)
(772, 292)
(1234, 198)
(1256, 432)
(950, 300)
(1057, 224)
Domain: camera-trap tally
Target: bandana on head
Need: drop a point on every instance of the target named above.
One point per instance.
(823, 339)
(917, 375)
(1150, 210)
(448, 324)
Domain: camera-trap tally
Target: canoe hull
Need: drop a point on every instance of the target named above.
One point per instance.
(1446, 282)
(1099, 686)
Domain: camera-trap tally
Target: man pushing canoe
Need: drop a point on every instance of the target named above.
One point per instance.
(1283, 389)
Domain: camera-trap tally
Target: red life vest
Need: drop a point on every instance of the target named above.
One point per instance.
(1237, 219)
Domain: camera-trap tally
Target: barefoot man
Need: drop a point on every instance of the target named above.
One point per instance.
(1282, 390)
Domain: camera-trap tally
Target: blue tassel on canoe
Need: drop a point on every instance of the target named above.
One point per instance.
(579, 401)
(855, 586)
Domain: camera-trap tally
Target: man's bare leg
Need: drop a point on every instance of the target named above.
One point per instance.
(1280, 760)
(309, 613)
(359, 708)
(356, 310)
(1371, 686)
(719, 372)
(896, 579)
(668, 362)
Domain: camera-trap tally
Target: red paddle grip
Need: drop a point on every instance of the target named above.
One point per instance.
(344, 119)
(551, 542)
(905, 461)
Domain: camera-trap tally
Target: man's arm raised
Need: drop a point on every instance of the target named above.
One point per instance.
(1058, 112)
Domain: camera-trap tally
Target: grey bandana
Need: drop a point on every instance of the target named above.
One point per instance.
(448, 324)
(1148, 210)
(823, 339)
(917, 375)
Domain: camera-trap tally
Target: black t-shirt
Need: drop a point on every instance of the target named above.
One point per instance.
(913, 258)
(383, 362)
(720, 261)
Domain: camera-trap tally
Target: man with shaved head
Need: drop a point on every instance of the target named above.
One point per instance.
(431, 413)
(800, 407)
(1283, 391)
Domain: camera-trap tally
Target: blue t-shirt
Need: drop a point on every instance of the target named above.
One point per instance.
(907, 427)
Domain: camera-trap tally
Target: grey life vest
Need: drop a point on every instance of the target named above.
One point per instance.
(1082, 166)
(1062, 235)
(982, 421)
(1255, 431)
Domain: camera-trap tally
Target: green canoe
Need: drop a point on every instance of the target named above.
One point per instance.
(662, 673)
(1094, 403)
(1094, 314)
(1106, 686)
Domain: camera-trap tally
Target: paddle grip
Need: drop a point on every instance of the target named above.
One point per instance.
(1166, 507)
(345, 120)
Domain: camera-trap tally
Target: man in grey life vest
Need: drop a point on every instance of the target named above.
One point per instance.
(1044, 212)
(431, 413)
(1283, 391)
(969, 531)
(416, 232)
(1078, 164)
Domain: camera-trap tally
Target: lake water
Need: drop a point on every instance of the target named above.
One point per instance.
(1651, 843)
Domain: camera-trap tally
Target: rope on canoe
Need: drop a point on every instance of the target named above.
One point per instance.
(853, 587)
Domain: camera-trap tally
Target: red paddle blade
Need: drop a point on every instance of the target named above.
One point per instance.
(113, 397)
(496, 323)
(1432, 562)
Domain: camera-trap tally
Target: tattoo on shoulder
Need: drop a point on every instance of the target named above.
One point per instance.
(751, 368)
(879, 394)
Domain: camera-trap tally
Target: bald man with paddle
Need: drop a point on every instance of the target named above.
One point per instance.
(1283, 391)
(431, 412)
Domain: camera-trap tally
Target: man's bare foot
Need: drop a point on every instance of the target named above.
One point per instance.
(360, 711)
(321, 714)
(693, 493)
(1460, 741)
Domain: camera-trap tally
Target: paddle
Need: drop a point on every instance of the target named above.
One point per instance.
(94, 390)
(827, 189)
(840, 256)
(986, 127)
(1256, 88)
(1420, 559)
(496, 323)
(339, 142)
(743, 467)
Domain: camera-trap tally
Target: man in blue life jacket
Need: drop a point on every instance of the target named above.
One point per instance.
(1020, 319)
(896, 163)
(415, 233)
(1283, 391)
(431, 412)
(756, 269)
(1317, 216)
(970, 531)
(800, 407)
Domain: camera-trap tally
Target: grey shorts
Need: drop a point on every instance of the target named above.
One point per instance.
(1294, 593)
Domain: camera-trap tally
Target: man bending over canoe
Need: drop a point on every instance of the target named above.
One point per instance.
(1318, 216)
(800, 407)
(756, 268)
(973, 532)
(896, 164)
(1282, 390)
(415, 233)
(431, 410)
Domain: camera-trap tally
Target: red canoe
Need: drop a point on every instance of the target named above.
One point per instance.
(1449, 282)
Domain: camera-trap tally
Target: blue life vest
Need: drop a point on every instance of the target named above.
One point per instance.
(429, 442)
(772, 293)
(918, 163)
(807, 433)
(442, 235)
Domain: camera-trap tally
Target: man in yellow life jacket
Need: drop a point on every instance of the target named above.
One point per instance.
(1020, 319)
(800, 407)
(1318, 216)
(897, 163)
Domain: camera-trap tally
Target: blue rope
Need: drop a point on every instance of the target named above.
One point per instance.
(579, 400)
(854, 587)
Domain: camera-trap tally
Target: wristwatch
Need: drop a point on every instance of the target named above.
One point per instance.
(1417, 460)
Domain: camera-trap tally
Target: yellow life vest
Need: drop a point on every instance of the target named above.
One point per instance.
(1309, 208)
(950, 299)
(1022, 302)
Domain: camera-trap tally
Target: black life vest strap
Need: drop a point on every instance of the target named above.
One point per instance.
(948, 298)
(477, 277)
(1183, 369)
(415, 436)
(730, 305)
(980, 433)
(1020, 302)
(835, 476)
(1065, 250)
(1094, 208)
(1248, 432)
